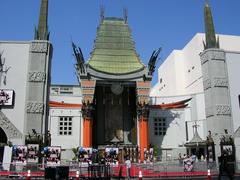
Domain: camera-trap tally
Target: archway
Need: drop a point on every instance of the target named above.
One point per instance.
(3, 142)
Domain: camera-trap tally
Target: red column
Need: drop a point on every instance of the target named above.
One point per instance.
(143, 136)
(87, 132)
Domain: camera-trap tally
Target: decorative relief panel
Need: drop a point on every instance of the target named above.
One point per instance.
(40, 47)
(223, 110)
(10, 130)
(34, 107)
(220, 82)
(207, 84)
(36, 76)
(212, 55)
(87, 110)
(218, 55)
(204, 58)
(143, 111)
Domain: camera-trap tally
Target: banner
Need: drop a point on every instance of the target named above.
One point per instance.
(32, 150)
(111, 156)
(84, 155)
(111, 151)
(53, 155)
(19, 154)
(6, 97)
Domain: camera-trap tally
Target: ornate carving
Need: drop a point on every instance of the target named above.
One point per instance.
(212, 55)
(34, 107)
(143, 110)
(207, 84)
(10, 130)
(36, 76)
(152, 61)
(220, 82)
(223, 110)
(77, 52)
(204, 58)
(3, 70)
(226, 138)
(34, 138)
(40, 47)
(218, 55)
(87, 110)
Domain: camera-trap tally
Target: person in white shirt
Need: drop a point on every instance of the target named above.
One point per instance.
(128, 166)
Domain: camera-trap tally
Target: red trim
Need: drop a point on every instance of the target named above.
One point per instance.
(175, 105)
(64, 105)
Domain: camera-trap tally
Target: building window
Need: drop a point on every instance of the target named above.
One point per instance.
(65, 126)
(160, 127)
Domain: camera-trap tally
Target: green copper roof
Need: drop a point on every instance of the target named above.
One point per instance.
(211, 41)
(114, 50)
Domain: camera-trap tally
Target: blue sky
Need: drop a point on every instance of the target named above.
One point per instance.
(169, 24)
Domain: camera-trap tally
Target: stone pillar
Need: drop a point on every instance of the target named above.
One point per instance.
(143, 112)
(38, 85)
(88, 89)
(143, 88)
(87, 124)
(216, 92)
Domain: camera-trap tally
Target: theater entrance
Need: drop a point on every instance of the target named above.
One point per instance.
(115, 114)
(3, 142)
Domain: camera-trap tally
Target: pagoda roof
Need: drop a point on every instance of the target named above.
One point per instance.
(114, 49)
(196, 140)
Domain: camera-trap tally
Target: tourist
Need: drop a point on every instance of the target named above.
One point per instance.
(128, 166)
(180, 159)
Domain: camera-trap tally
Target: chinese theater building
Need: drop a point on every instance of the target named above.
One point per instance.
(115, 87)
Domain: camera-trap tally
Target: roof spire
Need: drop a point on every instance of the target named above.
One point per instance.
(41, 33)
(102, 11)
(210, 35)
(125, 14)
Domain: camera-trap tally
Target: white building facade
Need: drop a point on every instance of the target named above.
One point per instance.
(180, 77)
(24, 85)
(65, 118)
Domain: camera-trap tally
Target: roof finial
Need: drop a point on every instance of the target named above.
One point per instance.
(210, 35)
(41, 33)
(102, 11)
(125, 14)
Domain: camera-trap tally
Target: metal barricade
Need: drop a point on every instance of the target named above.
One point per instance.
(157, 169)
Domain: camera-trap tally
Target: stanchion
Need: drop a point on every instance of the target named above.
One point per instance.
(28, 175)
(140, 175)
(77, 175)
(209, 177)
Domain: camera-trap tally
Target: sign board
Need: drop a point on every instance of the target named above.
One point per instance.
(19, 154)
(53, 155)
(84, 155)
(6, 97)
(32, 153)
